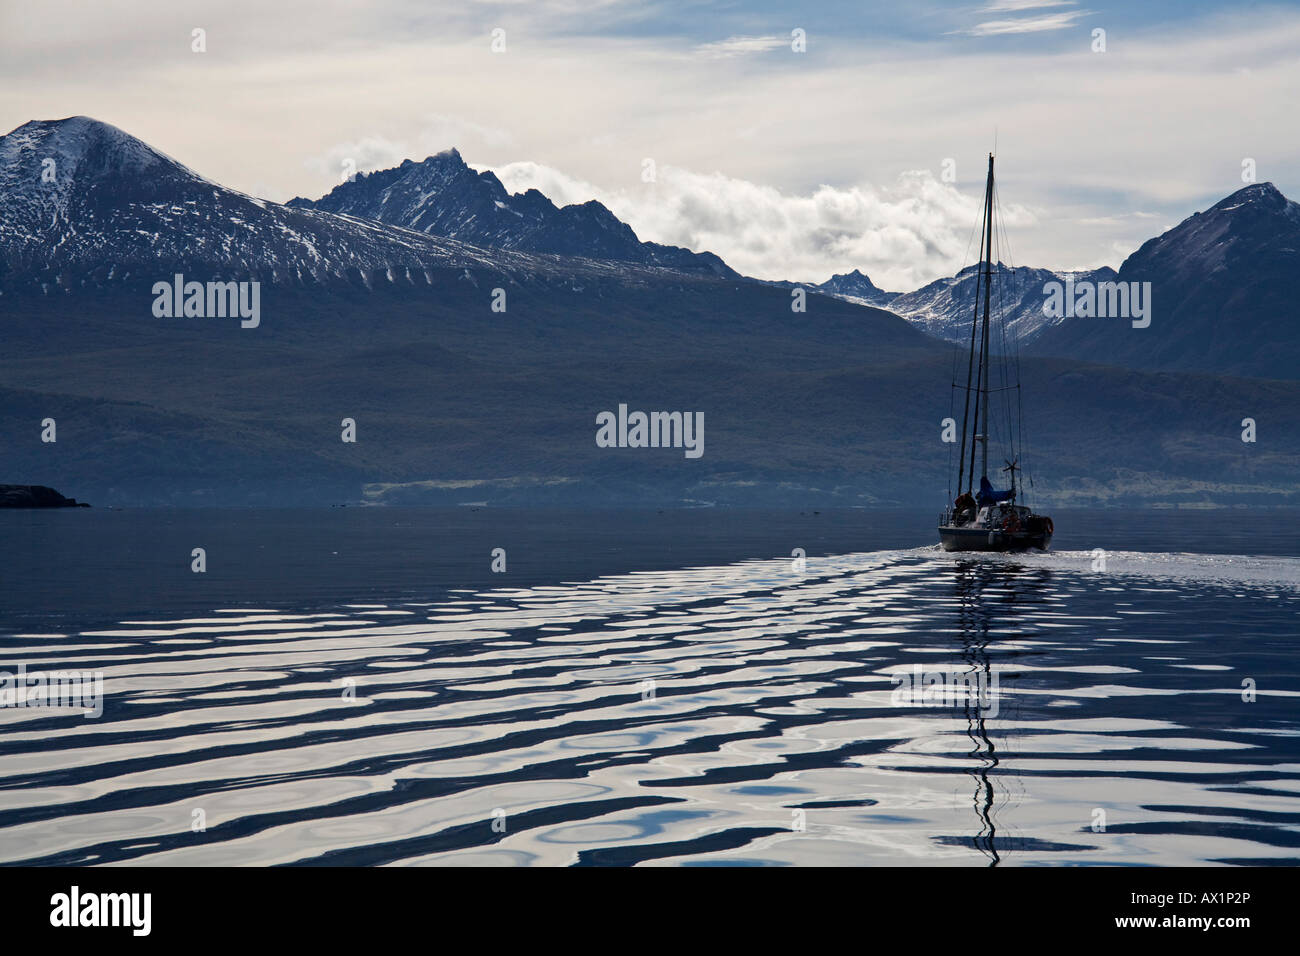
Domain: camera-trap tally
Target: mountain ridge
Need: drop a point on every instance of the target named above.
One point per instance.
(442, 195)
(945, 307)
(1225, 294)
(393, 328)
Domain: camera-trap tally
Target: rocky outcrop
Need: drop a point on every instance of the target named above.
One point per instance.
(35, 496)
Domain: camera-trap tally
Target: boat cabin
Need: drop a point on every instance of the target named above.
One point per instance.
(999, 515)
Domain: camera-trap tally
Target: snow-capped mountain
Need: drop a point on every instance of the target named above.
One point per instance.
(87, 208)
(945, 308)
(1225, 295)
(394, 328)
(855, 286)
(83, 204)
(443, 196)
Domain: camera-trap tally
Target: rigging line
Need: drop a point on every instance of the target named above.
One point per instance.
(965, 260)
(984, 346)
(970, 361)
(956, 351)
(1006, 397)
(1012, 421)
(981, 282)
(1001, 325)
(978, 372)
(1004, 349)
(1002, 363)
(952, 405)
(970, 237)
(1015, 352)
(952, 401)
(1006, 239)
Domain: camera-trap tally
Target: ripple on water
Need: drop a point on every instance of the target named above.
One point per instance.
(734, 714)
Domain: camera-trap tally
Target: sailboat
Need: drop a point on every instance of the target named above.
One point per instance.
(985, 518)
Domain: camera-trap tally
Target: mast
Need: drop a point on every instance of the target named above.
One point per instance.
(981, 383)
(970, 373)
(988, 281)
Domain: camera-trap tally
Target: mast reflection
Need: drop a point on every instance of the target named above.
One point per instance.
(989, 595)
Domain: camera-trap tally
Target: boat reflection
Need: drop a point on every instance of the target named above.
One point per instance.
(991, 596)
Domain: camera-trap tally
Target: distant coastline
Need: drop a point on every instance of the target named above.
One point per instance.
(35, 496)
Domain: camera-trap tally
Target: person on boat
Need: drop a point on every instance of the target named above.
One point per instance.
(963, 509)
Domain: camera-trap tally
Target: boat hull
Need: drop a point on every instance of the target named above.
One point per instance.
(953, 538)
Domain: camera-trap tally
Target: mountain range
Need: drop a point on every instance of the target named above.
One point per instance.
(86, 206)
(1225, 295)
(945, 308)
(443, 196)
(1224, 279)
(394, 326)
(853, 286)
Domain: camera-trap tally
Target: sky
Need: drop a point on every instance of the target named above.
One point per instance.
(866, 149)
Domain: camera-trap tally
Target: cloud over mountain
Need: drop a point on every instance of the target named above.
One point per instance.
(903, 236)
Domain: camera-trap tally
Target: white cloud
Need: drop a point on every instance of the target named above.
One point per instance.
(902, 236)
(1017, 6)
(558, 187)
(740, 46)
(1161, 122)
(362, 155)
(1038, 24)
(440, 132)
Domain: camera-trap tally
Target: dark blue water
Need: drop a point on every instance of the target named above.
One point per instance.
(354, 686)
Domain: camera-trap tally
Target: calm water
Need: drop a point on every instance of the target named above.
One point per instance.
(358, 687)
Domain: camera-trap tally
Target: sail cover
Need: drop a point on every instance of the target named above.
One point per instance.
(988, 496)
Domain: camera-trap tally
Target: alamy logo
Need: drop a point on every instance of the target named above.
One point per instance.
(971, 689)
(81, 690)
(653, 430)
(211, 300)
(1103, 300)
(75, 908)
